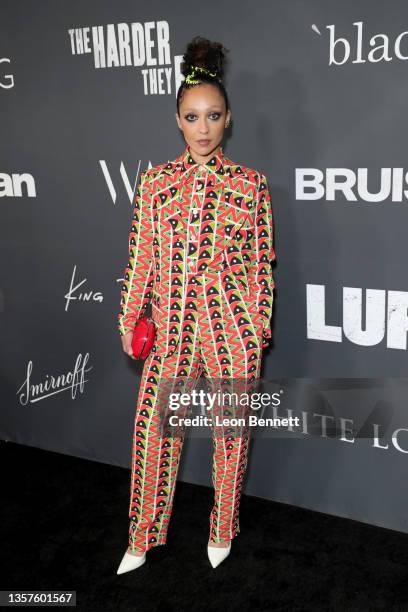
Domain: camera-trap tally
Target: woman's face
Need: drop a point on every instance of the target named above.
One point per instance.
(202, 120)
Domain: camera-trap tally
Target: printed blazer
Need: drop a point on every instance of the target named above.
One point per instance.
(236, 232)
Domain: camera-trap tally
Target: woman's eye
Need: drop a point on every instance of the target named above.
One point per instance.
(190, 117)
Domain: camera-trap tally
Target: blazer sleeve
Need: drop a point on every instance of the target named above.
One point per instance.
(138, 274)
(261, 281)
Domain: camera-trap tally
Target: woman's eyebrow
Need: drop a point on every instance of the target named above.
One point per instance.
(195, 110)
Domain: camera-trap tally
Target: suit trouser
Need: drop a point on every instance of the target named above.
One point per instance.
(221, 343)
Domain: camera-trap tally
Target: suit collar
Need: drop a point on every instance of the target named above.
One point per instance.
(185, 162)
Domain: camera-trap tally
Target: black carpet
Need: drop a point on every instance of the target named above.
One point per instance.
(64, 526)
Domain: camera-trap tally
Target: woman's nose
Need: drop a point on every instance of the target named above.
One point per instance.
(203, 127)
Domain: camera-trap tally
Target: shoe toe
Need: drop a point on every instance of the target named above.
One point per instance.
(217, 555)
(130, 562)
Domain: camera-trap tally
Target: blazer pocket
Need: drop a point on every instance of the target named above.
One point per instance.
(249, 304)
(235, 217)
(175, 222)
(234, 220)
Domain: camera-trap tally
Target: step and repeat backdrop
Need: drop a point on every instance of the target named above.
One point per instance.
(318, 96)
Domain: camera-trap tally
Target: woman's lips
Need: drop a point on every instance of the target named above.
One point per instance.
(203, 142)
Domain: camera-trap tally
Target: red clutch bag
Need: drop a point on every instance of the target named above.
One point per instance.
(144, 335)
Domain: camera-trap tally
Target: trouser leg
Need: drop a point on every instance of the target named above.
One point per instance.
(154, 466)
(155, 458)
(231, 349)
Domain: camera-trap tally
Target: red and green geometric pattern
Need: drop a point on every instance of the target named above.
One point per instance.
(235, 232)
(200, 250)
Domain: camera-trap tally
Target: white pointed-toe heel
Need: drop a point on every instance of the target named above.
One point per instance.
(130, 562)
(217, 555)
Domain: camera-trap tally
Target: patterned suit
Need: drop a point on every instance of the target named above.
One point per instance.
(200, 250)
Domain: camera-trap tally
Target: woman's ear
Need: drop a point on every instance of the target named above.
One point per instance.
(178, 120)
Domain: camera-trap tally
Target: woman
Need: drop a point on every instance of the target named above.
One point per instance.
(200, 250)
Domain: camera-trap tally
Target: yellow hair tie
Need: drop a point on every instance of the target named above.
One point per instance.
(190, 77)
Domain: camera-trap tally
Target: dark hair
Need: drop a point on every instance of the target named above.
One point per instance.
(203, 53)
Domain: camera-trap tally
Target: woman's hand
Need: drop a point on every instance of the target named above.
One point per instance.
(127, 343)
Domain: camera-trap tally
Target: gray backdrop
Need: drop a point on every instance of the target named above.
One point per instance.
(318, 93)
